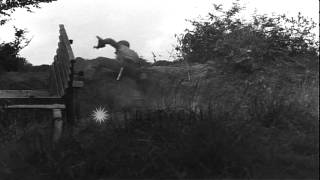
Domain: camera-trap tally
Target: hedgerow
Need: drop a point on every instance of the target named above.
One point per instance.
(224, 37)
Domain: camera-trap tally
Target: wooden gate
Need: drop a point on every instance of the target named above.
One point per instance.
(62, 92)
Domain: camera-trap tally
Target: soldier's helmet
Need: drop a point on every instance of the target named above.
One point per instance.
(124, 42)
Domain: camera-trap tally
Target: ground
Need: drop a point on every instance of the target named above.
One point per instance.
(269, 117)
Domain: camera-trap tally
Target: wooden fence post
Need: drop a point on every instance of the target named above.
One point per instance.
(58, 124)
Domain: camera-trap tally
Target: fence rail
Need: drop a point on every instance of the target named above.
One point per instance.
(61, 70)
(62, 86)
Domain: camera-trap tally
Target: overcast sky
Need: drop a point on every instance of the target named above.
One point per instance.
(149, 25)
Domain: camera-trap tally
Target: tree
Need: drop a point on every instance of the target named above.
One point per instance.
(7, 7)
(9, 51)
(225, 38)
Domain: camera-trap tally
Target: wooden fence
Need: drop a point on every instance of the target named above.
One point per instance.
(62, 92)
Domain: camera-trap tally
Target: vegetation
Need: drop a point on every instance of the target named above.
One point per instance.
(9, 51)
(259, 117)
(226, 39)
(7, 7)
(271, 140)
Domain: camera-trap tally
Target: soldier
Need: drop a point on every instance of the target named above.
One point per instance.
(126, 56)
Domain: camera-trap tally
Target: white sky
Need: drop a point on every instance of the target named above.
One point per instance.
(149, 25)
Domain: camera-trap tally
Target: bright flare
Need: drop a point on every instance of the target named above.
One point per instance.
(100, 115)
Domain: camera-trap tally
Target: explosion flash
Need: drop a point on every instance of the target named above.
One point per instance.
(100, 115)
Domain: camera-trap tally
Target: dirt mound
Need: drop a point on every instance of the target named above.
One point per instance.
(173, 86)
(176, 85)
(154, 87)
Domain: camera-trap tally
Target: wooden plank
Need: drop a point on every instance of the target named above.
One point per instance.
(66, 62)
(58, 62)
(64, 76)
(63, 40)
(61, 66)
(58, 76)
(64, 56)
(56, 73)
(54, 88)
(9, 94)
(51, 85)
(66, 41)
(64, 53)
(36, 106)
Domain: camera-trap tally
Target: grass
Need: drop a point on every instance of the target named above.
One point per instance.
(24, 80)
(276, 137)
(262, 125)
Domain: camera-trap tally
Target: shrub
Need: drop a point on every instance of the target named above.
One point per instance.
(9, 53)
(225, 38)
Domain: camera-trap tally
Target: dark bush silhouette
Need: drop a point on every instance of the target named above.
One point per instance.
(225, 38)
(9, 53)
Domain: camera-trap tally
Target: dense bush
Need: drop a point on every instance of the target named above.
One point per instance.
(224, 37)
(9, 53)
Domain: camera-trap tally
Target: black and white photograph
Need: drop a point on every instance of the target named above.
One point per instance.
(159, 89)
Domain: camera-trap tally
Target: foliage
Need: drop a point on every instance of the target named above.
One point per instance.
(224, 37)
(264, 128)
(9, 58)
(9, 53)
(7, 7)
